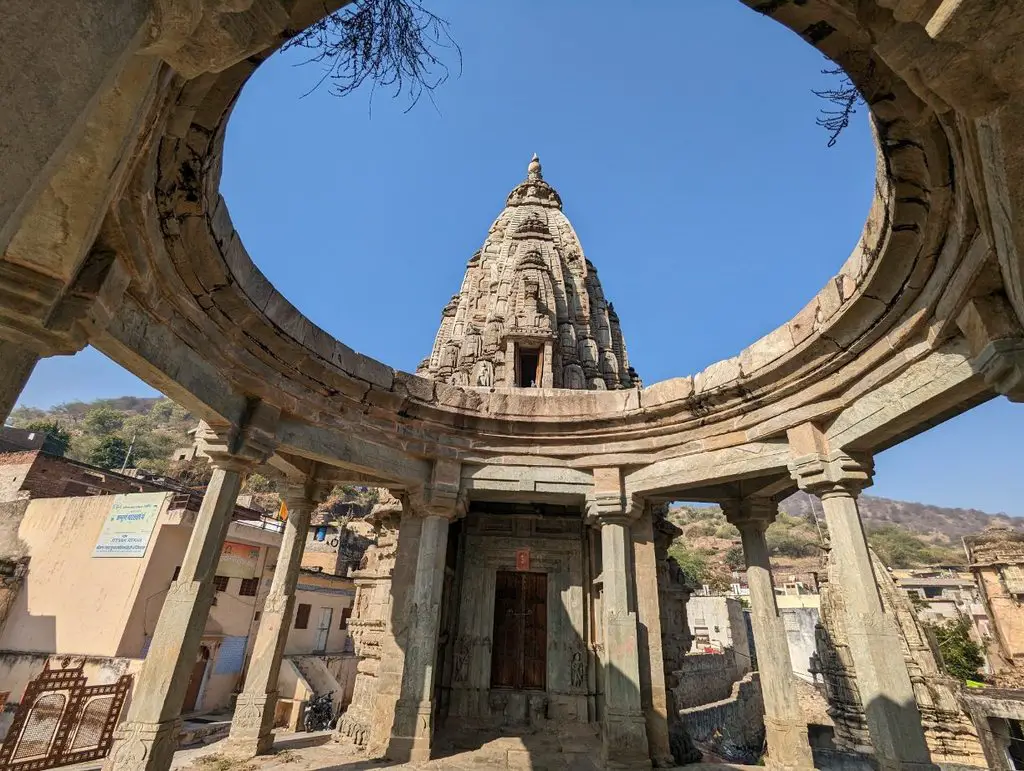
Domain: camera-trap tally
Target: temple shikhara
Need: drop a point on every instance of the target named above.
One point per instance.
(471, 565)
(531, 311)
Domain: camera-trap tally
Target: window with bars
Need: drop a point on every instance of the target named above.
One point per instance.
(302, 615)
(249, 587)
(220, 583)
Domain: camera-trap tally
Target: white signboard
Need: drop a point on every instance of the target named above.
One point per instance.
(129, 525)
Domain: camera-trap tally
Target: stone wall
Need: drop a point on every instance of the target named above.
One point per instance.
(732, 728)
(556, 550)
(704, 678)
(721, 619)
(800, 624)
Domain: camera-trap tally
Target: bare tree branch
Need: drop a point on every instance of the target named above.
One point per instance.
(846, 98)
(392, 43)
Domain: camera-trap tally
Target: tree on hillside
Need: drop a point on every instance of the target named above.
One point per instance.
(961, 656)
(110, 453)
(103, 421)
(58, 438)
(899, 548)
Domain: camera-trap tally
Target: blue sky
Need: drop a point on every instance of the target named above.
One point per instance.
(682, 139)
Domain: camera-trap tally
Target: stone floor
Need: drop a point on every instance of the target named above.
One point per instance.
(317, 752)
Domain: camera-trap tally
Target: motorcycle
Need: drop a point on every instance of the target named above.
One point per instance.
(319, 713)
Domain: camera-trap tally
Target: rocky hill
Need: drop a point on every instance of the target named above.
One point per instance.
(945, 524)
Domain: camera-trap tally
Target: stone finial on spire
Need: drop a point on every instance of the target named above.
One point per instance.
(533, 170)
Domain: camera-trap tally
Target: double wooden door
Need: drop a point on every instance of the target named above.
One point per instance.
(519, 652)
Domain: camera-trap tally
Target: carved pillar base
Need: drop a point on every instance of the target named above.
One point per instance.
(624, 740)
(143, 746)
(412, 731)
(251, 725)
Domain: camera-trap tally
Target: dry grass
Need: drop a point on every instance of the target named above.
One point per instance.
(217, 762)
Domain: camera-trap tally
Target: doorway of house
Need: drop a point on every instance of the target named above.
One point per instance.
(195, 683)
(323, 629)
(520, 631)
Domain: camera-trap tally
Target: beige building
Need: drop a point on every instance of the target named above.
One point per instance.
(996, 558)
(100, 571)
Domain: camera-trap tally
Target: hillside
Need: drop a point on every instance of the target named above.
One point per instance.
(904, 534)
(949, 525)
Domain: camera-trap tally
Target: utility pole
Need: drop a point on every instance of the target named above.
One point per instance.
(128, 454)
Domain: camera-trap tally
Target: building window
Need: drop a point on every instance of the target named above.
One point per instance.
(321, 534)
(176, 573)
(345, 613)
(302, 616)
(527, 367)
(249, 587)
(220, 583)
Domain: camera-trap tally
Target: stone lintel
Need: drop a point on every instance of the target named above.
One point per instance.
(833, 473)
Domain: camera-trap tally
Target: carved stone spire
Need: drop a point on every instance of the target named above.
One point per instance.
(531, 310)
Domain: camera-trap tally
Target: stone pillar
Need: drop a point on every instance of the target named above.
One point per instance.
(784, 723)
(653, 695)
(413, 726)
(393, 637)
(886, 691)
(370, 620)
(147, 738)
(624, 728)
(16, 365)
(253, 720)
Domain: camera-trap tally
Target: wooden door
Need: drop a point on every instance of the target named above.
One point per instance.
(519, 653)
(196, 681)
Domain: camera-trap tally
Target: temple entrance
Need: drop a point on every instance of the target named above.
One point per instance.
(519, 659)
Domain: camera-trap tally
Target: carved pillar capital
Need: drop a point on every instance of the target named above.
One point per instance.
(750, 513)
(442, 496)
(996, 341)
(52, 317)
(241, 448)
(832, 473)
(609, 503)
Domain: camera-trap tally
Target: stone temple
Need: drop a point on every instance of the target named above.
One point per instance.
(522, 578)
(531, 311)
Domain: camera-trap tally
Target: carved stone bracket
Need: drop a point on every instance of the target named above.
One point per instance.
(750, 512)
(833, 473)
(241, 448)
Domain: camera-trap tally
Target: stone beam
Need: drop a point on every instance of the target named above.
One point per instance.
(729, 464)
(343, 448)
(150, 351)
(532, 483)
(939, 386)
